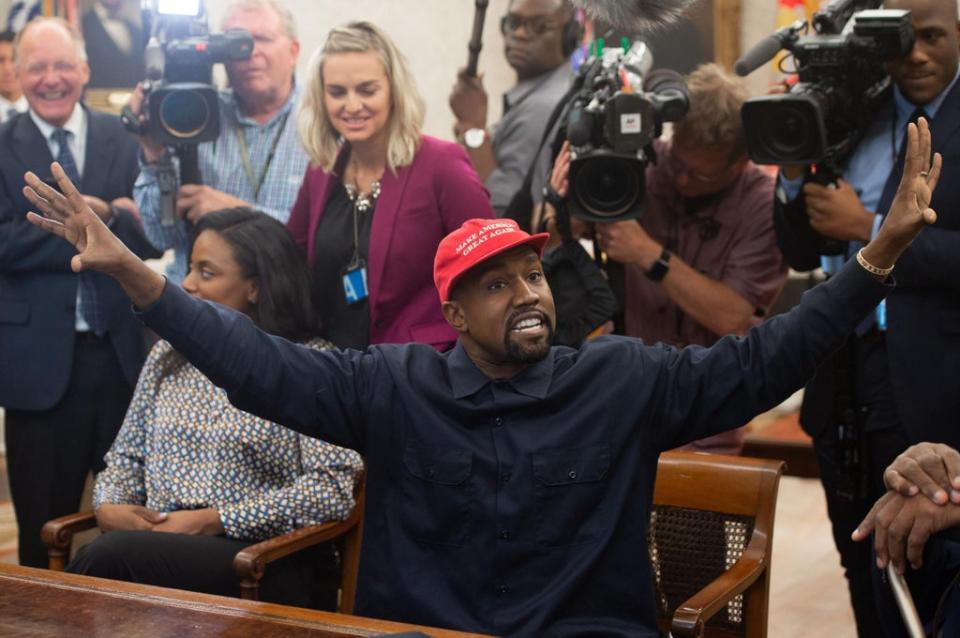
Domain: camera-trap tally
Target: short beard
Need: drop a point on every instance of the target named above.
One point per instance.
(638, 14)
(529, 354)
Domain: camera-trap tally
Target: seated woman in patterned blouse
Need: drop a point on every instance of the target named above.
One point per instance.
(214, 478)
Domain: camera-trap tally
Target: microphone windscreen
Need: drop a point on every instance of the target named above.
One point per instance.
(636, 14)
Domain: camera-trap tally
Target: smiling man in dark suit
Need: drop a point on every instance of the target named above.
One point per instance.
(62, 335)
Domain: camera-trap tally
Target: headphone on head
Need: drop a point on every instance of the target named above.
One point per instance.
(572, 34)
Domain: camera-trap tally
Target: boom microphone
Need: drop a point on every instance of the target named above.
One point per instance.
(636, 14)
(764, 50)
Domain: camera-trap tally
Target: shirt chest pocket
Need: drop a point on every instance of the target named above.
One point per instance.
(436, 494)
(570, 488)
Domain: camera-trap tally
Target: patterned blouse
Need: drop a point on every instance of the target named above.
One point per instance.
(183, 446)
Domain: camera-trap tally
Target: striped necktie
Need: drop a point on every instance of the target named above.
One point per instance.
(90, 307)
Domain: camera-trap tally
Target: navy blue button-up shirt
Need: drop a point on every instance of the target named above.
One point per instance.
(518, 506)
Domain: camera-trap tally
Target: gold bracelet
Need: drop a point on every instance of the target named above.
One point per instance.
(870, 268)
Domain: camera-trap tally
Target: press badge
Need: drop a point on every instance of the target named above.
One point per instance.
(355, 282)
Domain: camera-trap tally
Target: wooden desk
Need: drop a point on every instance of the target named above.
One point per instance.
(38, 602)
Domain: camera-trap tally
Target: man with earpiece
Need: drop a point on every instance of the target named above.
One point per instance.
(539, 37)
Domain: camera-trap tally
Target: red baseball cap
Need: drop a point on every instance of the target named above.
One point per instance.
(474, 243)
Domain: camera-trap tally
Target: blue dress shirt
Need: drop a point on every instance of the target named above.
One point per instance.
(513, 506)
(869, 166)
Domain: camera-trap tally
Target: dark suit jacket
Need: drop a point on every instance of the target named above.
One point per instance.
(38, 291)
(109, 67)
(923, 312)
(418, 206)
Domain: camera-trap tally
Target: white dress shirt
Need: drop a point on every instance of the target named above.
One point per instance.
(7, 108)
(77, 127)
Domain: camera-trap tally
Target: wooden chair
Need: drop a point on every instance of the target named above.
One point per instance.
(250, 562)
(710, 539)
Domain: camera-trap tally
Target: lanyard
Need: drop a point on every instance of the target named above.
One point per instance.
(361, 204)
(245, 156)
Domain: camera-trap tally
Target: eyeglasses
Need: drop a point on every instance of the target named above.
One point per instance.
(678, 168)
(534, 25)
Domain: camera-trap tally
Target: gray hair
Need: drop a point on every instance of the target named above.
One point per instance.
(287, 22)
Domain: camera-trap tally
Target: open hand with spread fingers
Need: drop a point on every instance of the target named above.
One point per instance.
(68, 215)
(910, 211)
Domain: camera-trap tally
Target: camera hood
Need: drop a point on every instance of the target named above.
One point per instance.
(606, 186)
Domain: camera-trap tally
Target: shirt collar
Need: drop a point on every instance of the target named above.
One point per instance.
(75, 124)
(103, 14)
(20, 103)
(524, 88)
(466, 378)
(905, 108)
(242, 119)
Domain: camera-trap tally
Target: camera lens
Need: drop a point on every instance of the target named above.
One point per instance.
(607, 186)
(787, 131)
(184, 114)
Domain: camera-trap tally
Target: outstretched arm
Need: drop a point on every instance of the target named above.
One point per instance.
(320, 394)
(713, 390)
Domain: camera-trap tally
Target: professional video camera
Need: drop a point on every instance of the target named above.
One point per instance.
(181, 105)
(618, 109)
(841, 85)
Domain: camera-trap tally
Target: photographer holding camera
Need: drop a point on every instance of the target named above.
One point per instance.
(257, 159)
(702, 261)
(890, 386)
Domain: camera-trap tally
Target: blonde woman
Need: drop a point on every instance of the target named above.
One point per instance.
(378, 196)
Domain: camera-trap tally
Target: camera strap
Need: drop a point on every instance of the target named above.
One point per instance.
(257, 183)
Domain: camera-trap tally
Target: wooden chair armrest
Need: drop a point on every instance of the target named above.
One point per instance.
(690, 617)
(57, 534)
(250, 562)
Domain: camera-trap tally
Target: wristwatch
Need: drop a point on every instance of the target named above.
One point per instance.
(474, 137)
(660, 267)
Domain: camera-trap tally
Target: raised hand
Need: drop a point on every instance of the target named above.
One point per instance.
(67, 215)
(910, 211)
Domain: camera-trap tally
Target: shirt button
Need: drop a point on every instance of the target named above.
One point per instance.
(498, 421)
(504, 534)
(431, 472)
(502, 589)
(572, 474)
(505, 477)
(378, 323)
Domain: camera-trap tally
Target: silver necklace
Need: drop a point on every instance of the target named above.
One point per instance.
(362, 202)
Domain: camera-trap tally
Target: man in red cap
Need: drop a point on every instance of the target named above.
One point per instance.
(508, 482)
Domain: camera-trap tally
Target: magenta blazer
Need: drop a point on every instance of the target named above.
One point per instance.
(418, 206)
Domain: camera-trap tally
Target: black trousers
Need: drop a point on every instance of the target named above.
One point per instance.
(50, 452)
(882, 439)
(205, 564)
